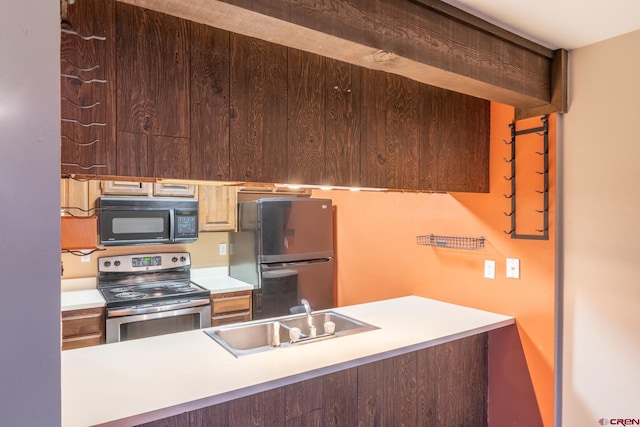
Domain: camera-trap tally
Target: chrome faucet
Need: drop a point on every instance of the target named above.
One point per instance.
(307, 309)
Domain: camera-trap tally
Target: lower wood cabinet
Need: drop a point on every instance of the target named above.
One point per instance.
(440, 386)
(230, 307)
(83, 328)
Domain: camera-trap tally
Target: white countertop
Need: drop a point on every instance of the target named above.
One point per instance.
(216, 279)
(132, 382)
(86, 298)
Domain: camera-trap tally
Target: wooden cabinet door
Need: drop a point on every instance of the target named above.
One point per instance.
(209, 103)
(305, 143)
(342, 123)
(87, 85)
(78, 197)
(258, 115)
(152, 97)
(460, 132)
(390, 145)
(217, 208)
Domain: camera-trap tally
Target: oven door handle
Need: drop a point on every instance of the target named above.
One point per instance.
(128, 311)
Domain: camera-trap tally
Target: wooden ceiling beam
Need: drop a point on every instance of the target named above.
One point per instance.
(425, 40)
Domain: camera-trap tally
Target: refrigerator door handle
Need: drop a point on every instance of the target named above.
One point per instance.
(295, 263)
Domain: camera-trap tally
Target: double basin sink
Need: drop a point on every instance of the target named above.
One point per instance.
(255, 337)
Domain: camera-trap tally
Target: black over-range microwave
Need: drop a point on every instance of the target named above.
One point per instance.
(143, 221)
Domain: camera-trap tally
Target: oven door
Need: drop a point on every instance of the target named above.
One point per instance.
(124, 328)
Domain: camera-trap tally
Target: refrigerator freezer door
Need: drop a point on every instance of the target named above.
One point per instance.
(295, 230)
(284, 285)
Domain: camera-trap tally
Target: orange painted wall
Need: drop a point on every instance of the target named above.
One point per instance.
(377, 257)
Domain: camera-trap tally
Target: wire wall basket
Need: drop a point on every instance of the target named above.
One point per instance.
(452, 242)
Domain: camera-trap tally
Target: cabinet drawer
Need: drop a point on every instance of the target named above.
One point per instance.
(125, 188)
(230, 318)
(80, 341)
(82, 322)
(231, 302)
(166, 189)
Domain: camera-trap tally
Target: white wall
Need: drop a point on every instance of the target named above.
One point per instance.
(601, 193)
(29, 213)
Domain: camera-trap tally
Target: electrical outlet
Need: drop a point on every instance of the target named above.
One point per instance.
(513, 268)
(222, 249)
(85, 258)
(489, 269)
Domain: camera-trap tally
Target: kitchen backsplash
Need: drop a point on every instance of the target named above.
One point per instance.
(205, 252)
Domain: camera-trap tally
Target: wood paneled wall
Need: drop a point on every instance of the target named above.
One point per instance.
(445, 385)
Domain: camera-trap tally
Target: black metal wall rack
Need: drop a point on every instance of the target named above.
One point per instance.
(542, 131)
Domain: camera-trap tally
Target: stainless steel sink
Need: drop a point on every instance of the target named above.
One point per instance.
(255, 337)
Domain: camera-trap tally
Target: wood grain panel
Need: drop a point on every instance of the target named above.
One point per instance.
(426, 387)
(209, 102)
(306, 112)
(371, 395)
(240, 412)
(339, 395)
(302, 399)
(428, 162)
(268, 408)
(403, 398)
(402, 132)
(132, 155)
(462, 382)
(374, 158)
(211, 416)
(426, 40)
(342, 128)
(88, 87)
(390, 137)
(152, 72)
(258, 117)
(461, 127)
(310, 419)
(439, 386)
(170, 156)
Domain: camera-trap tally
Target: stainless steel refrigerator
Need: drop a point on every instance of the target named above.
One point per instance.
(284, 248)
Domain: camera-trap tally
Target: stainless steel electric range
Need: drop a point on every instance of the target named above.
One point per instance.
(151, 294)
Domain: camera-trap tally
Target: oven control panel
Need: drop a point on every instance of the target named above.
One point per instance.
(144, 262)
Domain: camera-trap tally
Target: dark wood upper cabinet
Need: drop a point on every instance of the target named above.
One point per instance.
(152, 72)
(342, 120)
(188, 101)
(258, 116)
(458, 135)
(87, 83)
(306, 113)
(152, 97)
(390, 146)
(209, 103)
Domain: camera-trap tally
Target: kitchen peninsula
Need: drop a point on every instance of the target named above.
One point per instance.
(191, 378)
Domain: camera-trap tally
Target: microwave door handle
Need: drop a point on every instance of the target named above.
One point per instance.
(171, 225)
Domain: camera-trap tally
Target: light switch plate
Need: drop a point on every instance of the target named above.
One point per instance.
(513, 268)
(489, 269)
